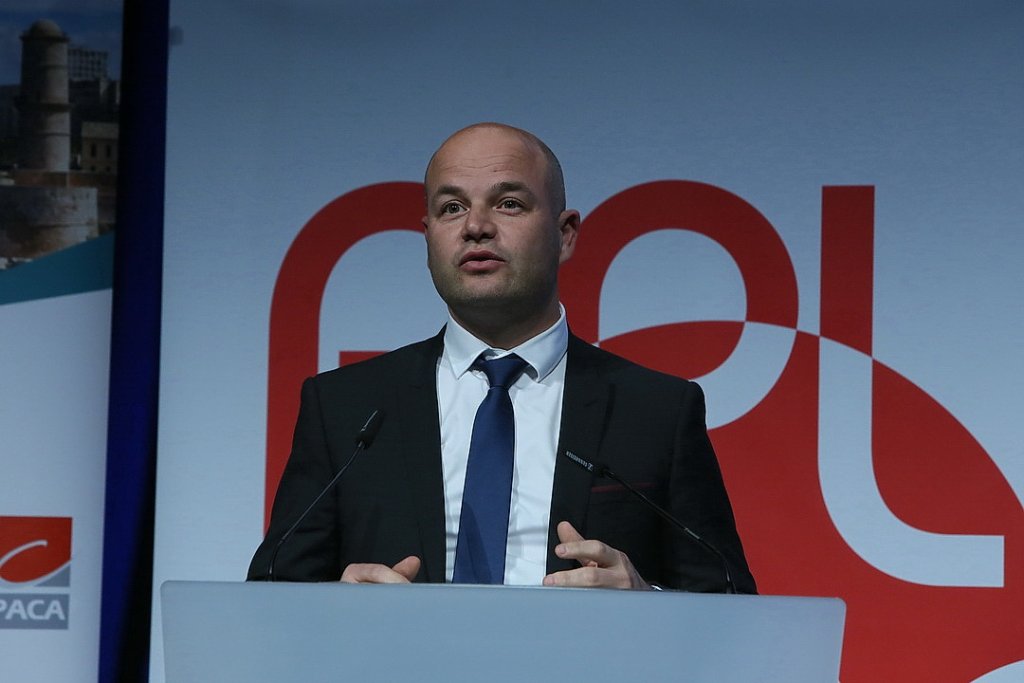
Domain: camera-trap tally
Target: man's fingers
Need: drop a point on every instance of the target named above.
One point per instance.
(602, 565)
(409, 567)
(374, 573)
(588, 577)
(588, 553)
(567, 533)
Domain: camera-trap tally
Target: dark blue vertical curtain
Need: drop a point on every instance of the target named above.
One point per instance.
(135, 347)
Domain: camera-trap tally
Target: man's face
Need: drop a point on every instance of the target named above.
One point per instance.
(494, 240)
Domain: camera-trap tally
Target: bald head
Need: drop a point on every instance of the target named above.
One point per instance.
(555, 182)
(497, 232)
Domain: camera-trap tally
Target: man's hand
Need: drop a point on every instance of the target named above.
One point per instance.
(602, 565)
(403, 572)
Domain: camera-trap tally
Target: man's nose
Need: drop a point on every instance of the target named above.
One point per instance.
(479, 224)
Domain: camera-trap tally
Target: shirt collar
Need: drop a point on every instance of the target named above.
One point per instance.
(542, 352)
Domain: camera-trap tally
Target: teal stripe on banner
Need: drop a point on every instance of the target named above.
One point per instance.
(84, 267)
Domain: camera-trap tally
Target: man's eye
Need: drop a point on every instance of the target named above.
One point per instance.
(451, 207)
(511, 204)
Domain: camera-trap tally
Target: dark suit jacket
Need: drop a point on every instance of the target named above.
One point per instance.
(646, 426)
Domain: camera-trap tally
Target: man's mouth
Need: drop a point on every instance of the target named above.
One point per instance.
(480, 260)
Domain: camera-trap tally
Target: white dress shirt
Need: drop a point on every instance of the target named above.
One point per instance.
(537, 402)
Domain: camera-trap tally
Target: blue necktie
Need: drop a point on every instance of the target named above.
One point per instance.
(483, 524)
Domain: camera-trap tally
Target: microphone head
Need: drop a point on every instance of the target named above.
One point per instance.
(598, 468)
(585, 464)
(369, 431)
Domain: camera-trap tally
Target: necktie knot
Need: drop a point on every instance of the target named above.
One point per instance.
(501, 372)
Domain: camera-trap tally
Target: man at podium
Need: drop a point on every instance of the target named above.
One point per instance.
(504, 449)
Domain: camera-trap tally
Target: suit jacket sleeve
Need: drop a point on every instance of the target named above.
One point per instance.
(390, 503)
(699, 499)
(311, 554)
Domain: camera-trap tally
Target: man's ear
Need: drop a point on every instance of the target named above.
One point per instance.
(569, 230)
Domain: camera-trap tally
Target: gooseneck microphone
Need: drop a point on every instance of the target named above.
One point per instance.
(602, 470)
(363, 441)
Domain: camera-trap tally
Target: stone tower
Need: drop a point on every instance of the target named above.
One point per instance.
(44, 112)
(43, 206)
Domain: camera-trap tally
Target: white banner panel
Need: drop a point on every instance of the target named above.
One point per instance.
(812, 209)
(53, 405)
(59, 101)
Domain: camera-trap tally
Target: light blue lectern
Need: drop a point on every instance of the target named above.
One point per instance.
(313, 633)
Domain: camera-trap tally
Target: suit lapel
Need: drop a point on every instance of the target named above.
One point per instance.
(585, 403)
(417, 401)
